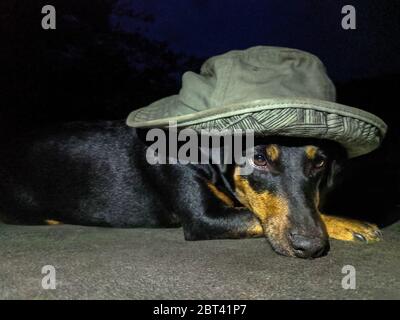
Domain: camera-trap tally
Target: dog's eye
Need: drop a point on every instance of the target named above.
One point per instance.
(319, 164)
(260, 160)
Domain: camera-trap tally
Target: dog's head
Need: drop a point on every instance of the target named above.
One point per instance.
(284, 190)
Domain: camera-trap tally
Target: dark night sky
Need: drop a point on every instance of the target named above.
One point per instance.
(91, 70)
(206, 28)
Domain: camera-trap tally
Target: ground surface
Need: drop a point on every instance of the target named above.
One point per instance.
(96, 263)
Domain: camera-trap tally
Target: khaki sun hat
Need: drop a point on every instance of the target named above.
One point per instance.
(272, 90)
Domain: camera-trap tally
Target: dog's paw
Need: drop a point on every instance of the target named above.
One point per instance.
(351, 230)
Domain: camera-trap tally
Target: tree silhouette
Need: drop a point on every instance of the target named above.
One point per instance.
(86, 69)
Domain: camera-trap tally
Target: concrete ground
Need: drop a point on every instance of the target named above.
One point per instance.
(97, 263)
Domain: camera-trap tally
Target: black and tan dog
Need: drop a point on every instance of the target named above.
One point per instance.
(97, 174)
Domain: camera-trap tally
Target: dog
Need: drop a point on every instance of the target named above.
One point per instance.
(96, 174)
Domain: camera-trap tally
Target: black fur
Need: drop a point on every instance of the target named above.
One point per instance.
(97, 174)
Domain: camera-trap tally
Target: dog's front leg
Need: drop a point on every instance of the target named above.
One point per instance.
(350, 230)
(208, 215)
(227, 223)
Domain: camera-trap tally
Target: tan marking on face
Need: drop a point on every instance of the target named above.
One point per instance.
(264, 204)
(311, 152)
(52, 222)
(272, 211)
(272, 152)
(220, 195)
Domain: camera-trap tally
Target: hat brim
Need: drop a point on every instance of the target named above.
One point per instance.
(360, 132)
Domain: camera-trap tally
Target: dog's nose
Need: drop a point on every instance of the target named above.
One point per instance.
(308, 247)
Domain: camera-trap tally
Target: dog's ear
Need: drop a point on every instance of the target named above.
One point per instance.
(335, 168)
(337, 156)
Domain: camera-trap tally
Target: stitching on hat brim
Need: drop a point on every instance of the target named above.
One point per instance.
(259, 105)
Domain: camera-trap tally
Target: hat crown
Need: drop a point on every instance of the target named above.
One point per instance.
(261, 72)
(271, 90)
